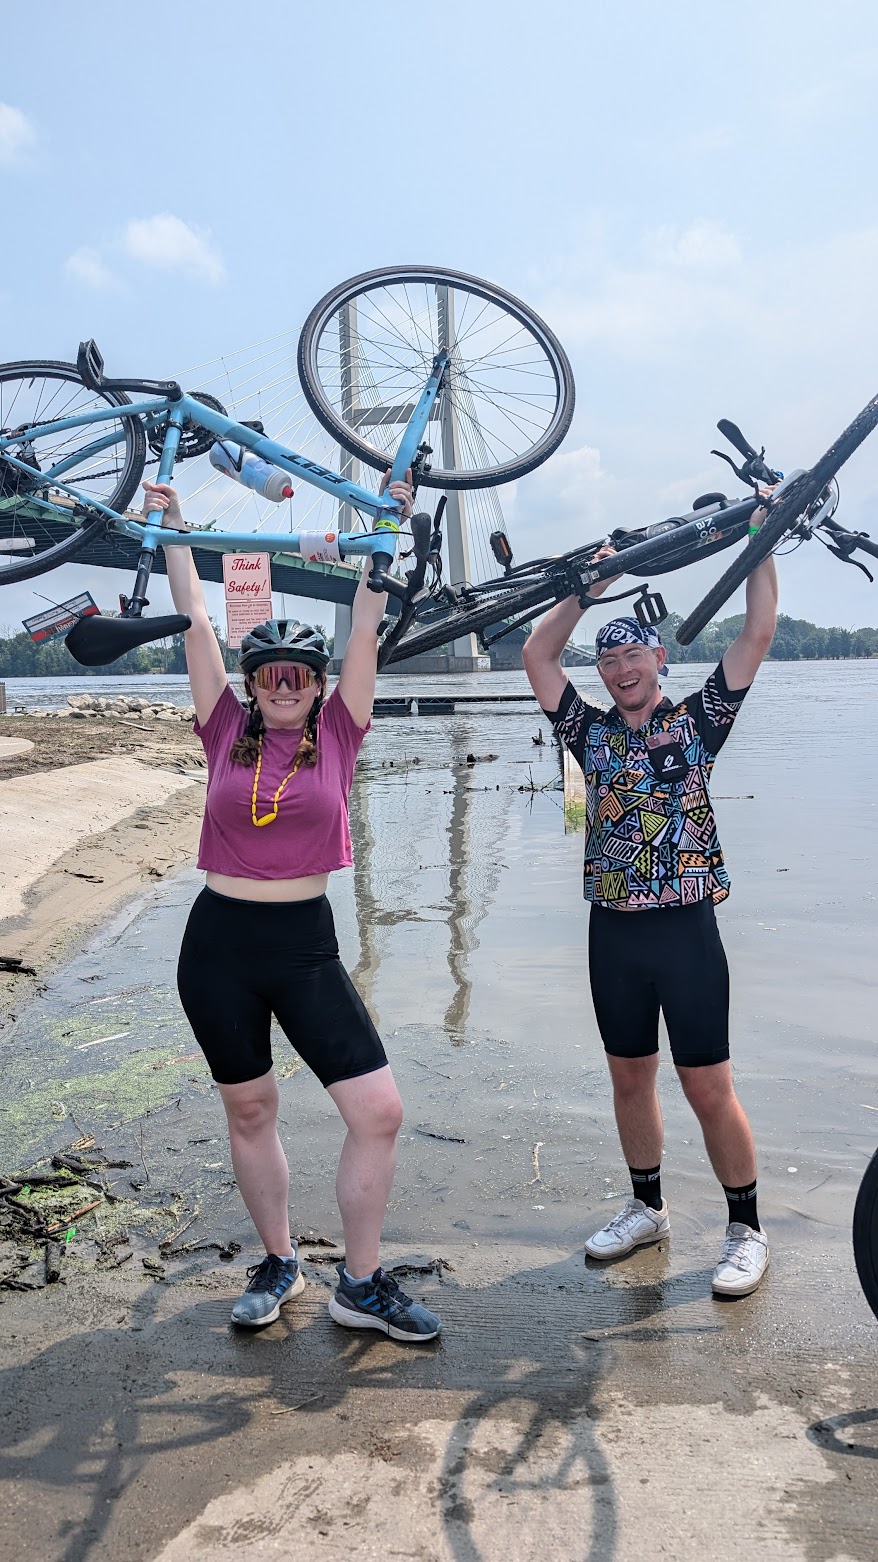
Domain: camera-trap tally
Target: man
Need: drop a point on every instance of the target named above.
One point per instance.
(653, 872)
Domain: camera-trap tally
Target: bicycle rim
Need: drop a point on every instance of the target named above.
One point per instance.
(366, 350)
(470, 620)
(39, 527)
(866, 1233)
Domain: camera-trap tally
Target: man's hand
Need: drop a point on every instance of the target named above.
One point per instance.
(162, 497)
(598, 587)
(401, 492)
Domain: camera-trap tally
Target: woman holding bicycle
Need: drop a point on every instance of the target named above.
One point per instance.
(260, 939)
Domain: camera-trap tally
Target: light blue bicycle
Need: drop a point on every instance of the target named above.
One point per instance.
(383, 361)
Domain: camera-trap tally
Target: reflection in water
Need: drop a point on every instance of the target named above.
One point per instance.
(399, 815)
(473, 871)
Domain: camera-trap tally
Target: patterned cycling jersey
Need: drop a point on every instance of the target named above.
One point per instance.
(650, 832)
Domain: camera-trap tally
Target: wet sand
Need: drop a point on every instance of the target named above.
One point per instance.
(568, 1409)
(91, 814)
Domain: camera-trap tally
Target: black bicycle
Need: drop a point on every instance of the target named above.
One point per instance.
(802, 506)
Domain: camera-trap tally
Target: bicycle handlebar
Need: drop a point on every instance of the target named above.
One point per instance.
(732, 433)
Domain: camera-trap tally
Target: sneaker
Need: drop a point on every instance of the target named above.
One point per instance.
(634, 1226)
(273, 1282)
(378, 1303)
(742, 1262)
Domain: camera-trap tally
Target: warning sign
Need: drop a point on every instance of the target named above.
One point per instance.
(247, 581)
(59, 620)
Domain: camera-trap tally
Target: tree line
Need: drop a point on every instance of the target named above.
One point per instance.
(21, 658)
(795, 640)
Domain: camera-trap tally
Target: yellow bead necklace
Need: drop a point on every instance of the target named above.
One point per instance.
(270, 818)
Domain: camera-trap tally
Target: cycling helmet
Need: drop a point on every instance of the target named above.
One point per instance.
(284, 639)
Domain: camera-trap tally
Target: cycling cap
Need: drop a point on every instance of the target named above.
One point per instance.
(284, 639)
(627, 631)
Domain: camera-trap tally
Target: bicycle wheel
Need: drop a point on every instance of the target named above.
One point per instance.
(38, 536)
(367, 348)
(866, 1233)
(469, 620)
(793, 504)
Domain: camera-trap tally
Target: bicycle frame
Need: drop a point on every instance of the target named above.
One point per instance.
(385, 512)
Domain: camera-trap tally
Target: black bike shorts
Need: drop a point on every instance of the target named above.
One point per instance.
(243, 961)
(671, 961)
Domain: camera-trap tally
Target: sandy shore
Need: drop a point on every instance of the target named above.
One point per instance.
(90, 812)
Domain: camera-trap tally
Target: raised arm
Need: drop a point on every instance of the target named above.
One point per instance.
(356, 683)
(207, 675)
(742, 660)
(545, 644)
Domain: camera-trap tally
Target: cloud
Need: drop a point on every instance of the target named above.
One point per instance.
(168, 243)
(703, 246)
(17, 134)
(85, 265)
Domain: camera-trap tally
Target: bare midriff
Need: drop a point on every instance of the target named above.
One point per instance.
(307, 888)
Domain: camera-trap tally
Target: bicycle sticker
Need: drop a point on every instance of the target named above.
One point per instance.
(320, 547)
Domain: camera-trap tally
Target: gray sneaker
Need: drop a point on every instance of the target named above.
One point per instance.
(273, 1282)
(378, 1303)
(634, 1226)
(742, 1262)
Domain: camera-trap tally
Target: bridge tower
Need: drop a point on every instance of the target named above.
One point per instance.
(463, 656)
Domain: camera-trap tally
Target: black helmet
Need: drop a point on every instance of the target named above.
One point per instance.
(284, 639)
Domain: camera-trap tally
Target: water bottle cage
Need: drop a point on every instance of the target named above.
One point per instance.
(194, 441)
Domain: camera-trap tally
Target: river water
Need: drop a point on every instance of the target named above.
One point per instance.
(464, 927)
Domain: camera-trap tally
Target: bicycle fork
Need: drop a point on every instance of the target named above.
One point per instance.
(132, 607)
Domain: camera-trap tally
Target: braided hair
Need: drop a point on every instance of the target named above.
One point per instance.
(245, 749)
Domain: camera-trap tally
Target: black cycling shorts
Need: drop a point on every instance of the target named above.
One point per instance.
(670, 961)
(243, 961)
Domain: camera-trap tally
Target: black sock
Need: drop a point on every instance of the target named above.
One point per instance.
(742, 1205)
(647, 1186)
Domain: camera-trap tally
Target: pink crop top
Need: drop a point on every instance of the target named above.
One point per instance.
(311, 833)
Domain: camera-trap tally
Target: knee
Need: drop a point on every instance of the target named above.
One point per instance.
(378, 1119)
(633, 1077)
(250, 1113)
(386, 1119)
(709, 1098)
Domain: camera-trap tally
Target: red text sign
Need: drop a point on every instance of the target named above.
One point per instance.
(247, 581)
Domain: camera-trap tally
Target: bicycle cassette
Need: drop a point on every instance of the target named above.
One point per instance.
(194, 441)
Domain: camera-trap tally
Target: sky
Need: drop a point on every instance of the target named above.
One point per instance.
(685, 193)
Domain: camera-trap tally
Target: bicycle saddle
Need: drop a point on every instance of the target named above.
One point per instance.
(96, 641)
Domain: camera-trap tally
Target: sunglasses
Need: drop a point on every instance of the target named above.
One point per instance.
(294, 674)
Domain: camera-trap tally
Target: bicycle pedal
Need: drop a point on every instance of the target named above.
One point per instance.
(650, 609)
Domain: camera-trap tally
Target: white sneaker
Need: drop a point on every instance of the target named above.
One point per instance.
(634, 1226)
(742, 1262)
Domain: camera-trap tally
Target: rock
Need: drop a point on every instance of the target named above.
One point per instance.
(79, 701)
(167, 715)
(82, 714)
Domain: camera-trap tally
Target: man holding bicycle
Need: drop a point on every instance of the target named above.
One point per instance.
(653, 872)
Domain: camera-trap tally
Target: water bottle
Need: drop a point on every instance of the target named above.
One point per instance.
(252, 471)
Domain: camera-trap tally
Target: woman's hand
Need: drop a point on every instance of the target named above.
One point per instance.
(401, 492)
(162, 497)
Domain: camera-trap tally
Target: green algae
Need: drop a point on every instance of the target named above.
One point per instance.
(574, 817)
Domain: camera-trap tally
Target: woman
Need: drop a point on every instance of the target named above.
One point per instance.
(260, 938)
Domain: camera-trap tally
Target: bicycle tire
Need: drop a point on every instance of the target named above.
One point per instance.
(327, 416)
(865, 1233)
(466, 621)
(789, 507)
(70, 547)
